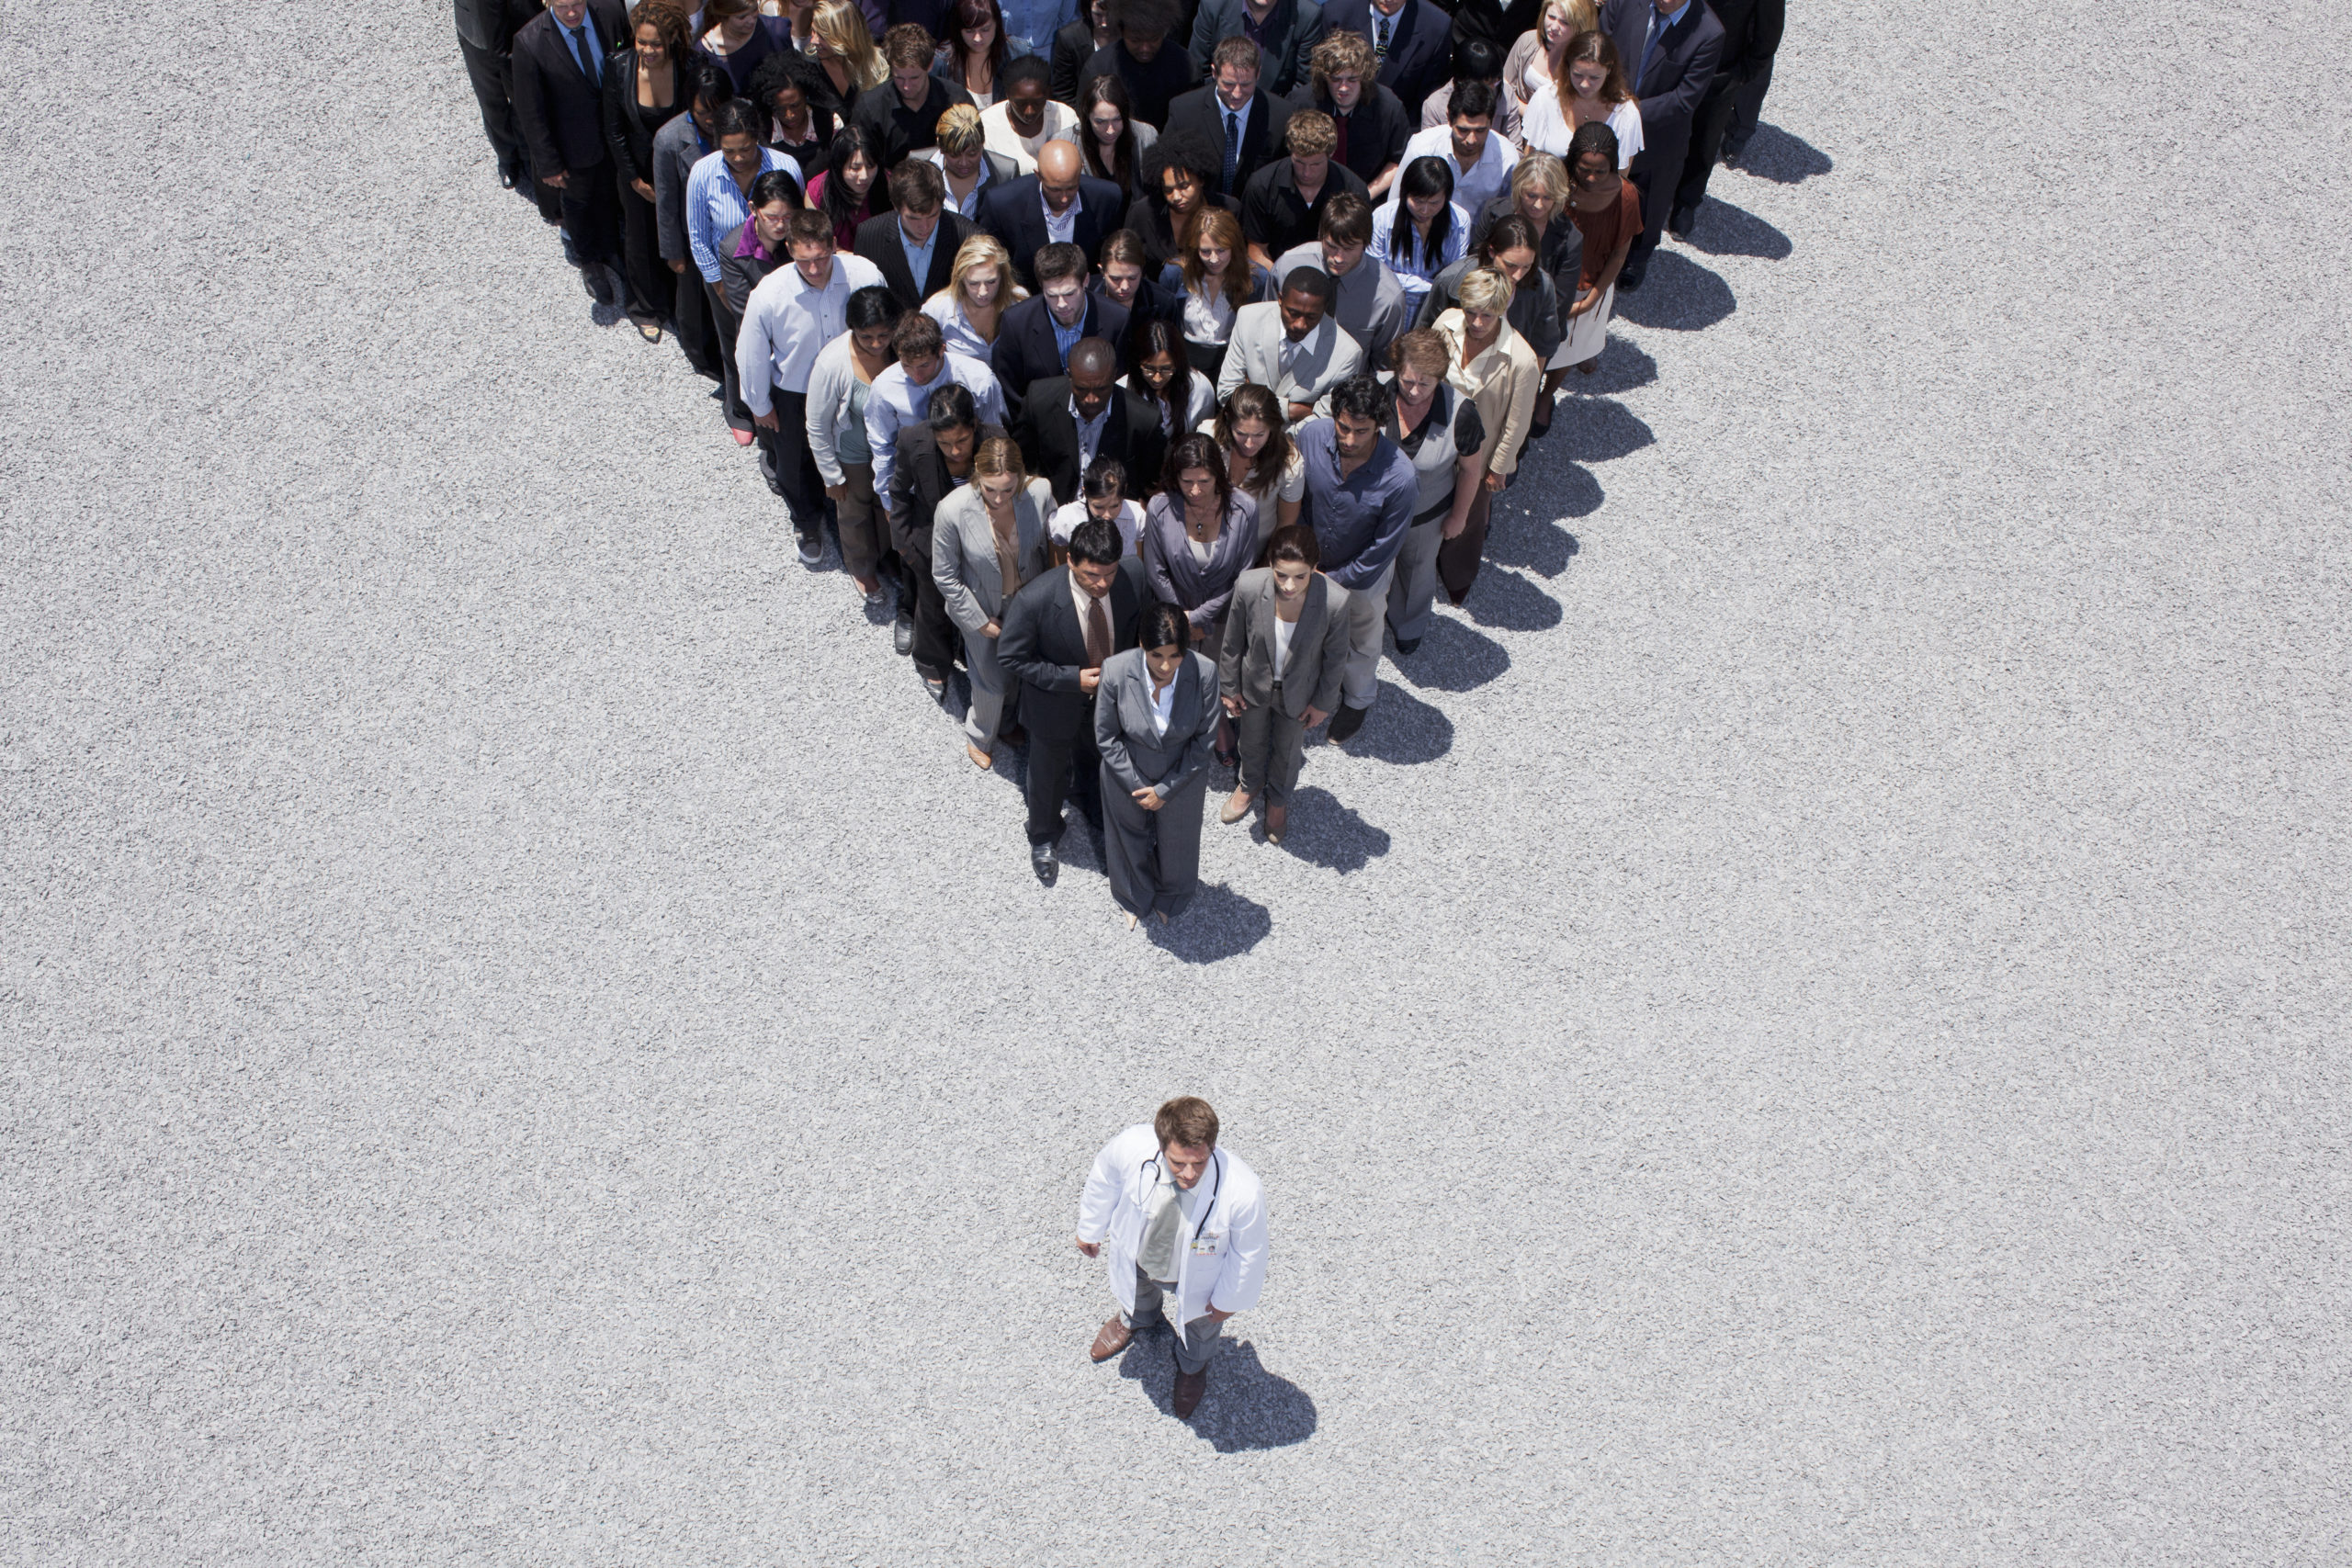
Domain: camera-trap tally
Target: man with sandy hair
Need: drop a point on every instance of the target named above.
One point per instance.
(1170, 1214)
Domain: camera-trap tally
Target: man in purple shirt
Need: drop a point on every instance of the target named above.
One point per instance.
(1360, 493)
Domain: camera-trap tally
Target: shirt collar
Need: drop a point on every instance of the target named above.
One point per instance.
(1671, 17)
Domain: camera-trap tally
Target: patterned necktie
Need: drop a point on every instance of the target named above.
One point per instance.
(1098, 634)
(584, 53)
(1232, 150)
(1380, 39)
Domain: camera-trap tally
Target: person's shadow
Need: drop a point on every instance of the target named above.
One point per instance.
(1597, 430)
(1217, 924)
(1323, 832)
(1677, 295)
(1723, 229)
(1543, 548)
(1507, 600)
(1246, 1406)
(1402, 730)
(1453, 657)
(1773, 155)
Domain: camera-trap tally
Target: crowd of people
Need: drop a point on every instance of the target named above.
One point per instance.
(1152, 364)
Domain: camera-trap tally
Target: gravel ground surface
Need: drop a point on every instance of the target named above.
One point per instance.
(1807, 1028)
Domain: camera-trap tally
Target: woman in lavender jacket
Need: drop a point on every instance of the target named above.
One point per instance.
(1199, 536)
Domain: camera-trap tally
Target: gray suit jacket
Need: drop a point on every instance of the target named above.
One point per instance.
(1318, 647)
(676, 148)
(1327, 357)
(1371, 305)
(963, 551)
(1137, 758)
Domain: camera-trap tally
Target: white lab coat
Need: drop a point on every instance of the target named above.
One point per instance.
(1220, 1259)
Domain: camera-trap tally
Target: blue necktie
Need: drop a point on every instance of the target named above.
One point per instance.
(1232, 150)
(585, 54)
(1649, 41)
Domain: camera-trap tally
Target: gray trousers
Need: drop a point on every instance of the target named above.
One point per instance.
(1362, 606)
(1154, 856)
(987, 691)
(1201, 1332)
(1273, 744)
(1413, 590)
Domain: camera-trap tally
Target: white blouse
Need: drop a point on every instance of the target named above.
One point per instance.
(1066, 520)
(1208, 319)
(962, 338)
(1548, 130)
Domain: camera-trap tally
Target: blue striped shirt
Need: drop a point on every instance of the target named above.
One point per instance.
(714, 205)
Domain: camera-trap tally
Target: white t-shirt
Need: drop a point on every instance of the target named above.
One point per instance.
(1547, 129)
(1066, 520)
(1281, 644)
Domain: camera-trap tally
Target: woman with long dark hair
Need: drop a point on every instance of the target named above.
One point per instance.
(646, 86)
(1418, 231)
(1253, 433)
(1110, 141)
(977, 49)
(1278, 668)
(1180, 178)
(790, 87)
(1158, 368)
(1214, 279)
(851, 190)
(1154, 711)
(1199, 536)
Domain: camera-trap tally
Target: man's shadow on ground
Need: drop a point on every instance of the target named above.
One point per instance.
(1246, 1407)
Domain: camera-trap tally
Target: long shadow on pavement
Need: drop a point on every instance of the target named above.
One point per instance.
(1453, 657)
(1246, 1406)
(1597, 430)
(1773, 155)
(1401, 729)
(1218, 924)
(1677, 295)
(1507, 601)
(1323, 832)
(1723, 229)
(1523, 539)
(1624, 365)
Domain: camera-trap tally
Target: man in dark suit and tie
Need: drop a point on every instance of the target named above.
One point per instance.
(1412, 42)
(1285, 31)
(1059, 203)
(921, 233)
(1233, 114)
(1752, 31)
(1058, 631)
(560, 106)
(1669, 49)
(935, 461)
(486, 39)
(1070, 421)
(1037, 336)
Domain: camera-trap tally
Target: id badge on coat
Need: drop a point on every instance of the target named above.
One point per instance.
(1208, 1243)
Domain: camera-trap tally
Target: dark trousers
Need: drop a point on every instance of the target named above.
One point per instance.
(697, 331)
(738, 416)
(1716, 112)
(1458, 558)
(1059, 770)
(1748, 105)
(1656, 173)
(492, 76)
(649, 275)
(934, 644)
(792, 468)
(592, 213)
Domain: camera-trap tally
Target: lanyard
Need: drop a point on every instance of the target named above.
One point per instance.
(1215, 1170)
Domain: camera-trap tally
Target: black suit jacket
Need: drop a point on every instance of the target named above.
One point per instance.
(1198, 115)
(1378, 130)
(1025, 350)
(1073, 46)
(1047, 433)
(1015, 214)
(1421, 52)
(559, 107)
(1043, 647)
(627, 130)
(1752, 30)
(1681, 66)
(877, 242)
(918, 482)
(899, 129)
(1153, 304)
(493, 24)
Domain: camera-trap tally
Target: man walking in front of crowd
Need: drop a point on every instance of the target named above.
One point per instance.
(1171, 1214)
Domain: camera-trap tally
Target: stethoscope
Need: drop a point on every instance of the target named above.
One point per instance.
(1217, 1171)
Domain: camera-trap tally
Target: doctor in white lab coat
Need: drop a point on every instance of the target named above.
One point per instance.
(1170, 1212)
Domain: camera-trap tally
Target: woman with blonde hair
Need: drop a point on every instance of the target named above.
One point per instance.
(846, 56)
(1591, 90)
(1538, 58)
(971, 308)
(987, 539)
(1214, 277)
(1492, 365)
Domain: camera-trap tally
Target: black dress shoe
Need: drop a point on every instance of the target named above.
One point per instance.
(1629, 279)
(1190, 1386)
(1407, 644)
(1347, 721)
(507, 178)
(903, 633)
(1041, 861)
(1678, 222)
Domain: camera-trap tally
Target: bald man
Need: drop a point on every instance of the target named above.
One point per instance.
(1060, 203)
(1070, 421)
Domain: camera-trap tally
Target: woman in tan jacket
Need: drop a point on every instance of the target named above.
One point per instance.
(1492, 365)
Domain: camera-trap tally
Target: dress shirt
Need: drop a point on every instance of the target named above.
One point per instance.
(1061, 229)
(894, 402)
(584, 52)
(919, 256)
(1482, 180)
(1090, 432)
(786, 324)
(1083, 602)
(1065, 338)
(1030, 25)
(1233, 126)
(970, 206)
(1360, 520)
(714, 205)
(947, 310)
(1415, 272)
(1067, 518)
(1384, 31)
(1163, 705)
(1282, 630)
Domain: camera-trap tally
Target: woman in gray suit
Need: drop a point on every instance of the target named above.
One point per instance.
(1155, 714)
(987, 539)
(1285, 653)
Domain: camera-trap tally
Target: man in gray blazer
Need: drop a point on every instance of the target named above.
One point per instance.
(1285, 31)
(1291, 345)
(1277, 692)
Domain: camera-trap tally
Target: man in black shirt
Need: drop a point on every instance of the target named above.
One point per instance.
(904, 113)
(1370, 125)
(1143, 57)
(1284, 205)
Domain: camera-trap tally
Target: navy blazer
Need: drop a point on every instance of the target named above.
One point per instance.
(1680, 65)
(1199, 117)
(1421, 52)
(559, 107)
(877, 242)
(1015, 214)
(1025, 350)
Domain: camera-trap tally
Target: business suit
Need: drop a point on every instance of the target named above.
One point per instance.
(1752, 30)
(919, 483)
(486, 40)
(1015, 214)
(1681, 64)
(1043, 647)
(1326, 358)
(1272, 728)
(1200, 116)
(1154, 857)
(1293, 28)
(1073, 46)
(677, 147)
(629, 131)
(1026, 351)
(877, 242)
(560, 107)
(1372, 135)
(1047, 434)
(1420, 48)
(964, 559)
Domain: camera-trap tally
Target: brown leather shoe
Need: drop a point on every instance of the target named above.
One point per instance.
(1114, 1338)
(1190, 1386)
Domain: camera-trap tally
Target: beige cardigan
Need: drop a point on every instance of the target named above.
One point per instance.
(1502, 381)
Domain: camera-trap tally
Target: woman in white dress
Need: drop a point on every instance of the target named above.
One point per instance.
(971, 309)
(1593, 90)
(1538, 58)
